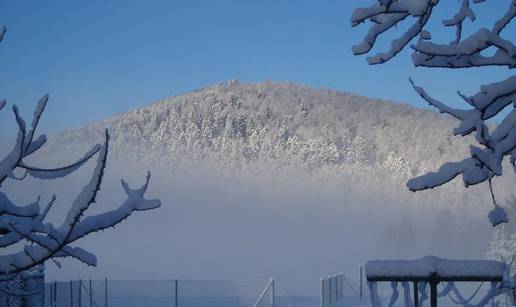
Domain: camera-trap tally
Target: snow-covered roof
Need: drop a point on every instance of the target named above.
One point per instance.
(432, 267)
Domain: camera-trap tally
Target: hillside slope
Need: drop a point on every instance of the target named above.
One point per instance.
(271, 128)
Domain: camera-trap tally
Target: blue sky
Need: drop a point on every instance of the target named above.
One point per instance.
(98, 58)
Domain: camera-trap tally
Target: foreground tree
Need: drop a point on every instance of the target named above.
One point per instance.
(486, 158)
(26, 226)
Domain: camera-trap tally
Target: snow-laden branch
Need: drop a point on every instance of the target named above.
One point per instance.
(134, 202)
(9, 208)
(59, 172)
(469, 118)
(457, 20)
(460, 53)
(488, 102)
(485, 160)
(26, 223)
(472, 170)
(25, 145)
(467, 52)
(53, 243)
(388, 15)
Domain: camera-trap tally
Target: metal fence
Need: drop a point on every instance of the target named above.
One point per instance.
(337, 290)
(26, 290)
(152, 293)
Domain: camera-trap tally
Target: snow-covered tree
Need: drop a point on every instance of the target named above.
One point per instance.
(485, 159)
(27, 239)
(502, 245)
(503, 242)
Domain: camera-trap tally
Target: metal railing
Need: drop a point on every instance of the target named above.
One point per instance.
(168, 293)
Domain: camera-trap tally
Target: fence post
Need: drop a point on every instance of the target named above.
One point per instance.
(333, 288)
(341, 286)
(80, 292)
(433, 294)
(336, 288)
(322, 292)
(8, 297)
(55, 293)
(360, 280)
(329, 290)
(416, 295)
(273, 293)
(71, 293)
(337, 284)
(342, 277)
(105, 293)
(91, 295)
(176, 299)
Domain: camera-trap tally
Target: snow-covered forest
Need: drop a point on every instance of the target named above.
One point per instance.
(281, 129)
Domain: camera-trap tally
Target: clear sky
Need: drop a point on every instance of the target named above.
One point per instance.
(98, 58)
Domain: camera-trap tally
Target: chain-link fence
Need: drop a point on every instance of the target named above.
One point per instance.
(26, 290)
(169, 293)
(337, 290)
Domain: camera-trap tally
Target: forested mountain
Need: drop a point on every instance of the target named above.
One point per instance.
(270, 128)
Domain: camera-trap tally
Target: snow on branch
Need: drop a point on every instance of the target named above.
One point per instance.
(26, 223)
(488, 102)
(457, 20)
(134, 202)
(467, 52)
(469, 118)
(25, 146)
(472, 170)
(387, 15)
(7, 207)
(459, 53)
(485, 160)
